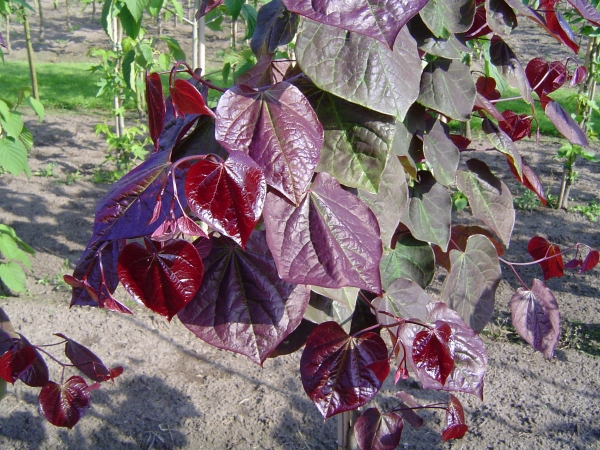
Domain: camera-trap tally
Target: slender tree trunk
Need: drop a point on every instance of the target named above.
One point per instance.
(159, 23)
(7, 36)
(68, 16)
(93, 19)
(116, 46)
(202, 44)
(345, 428)
(42, 26)
(32, 74)
(195, 42)
(233, 34)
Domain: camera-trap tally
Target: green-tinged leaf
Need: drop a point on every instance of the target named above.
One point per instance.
(2, 389)
(13, 125)
(12, 276)
(410, 259)
(391, 200)
(441, 152)
(360, 69)
(178, 9)
(4, 110)
(37, 107)
(13, 156)
(490, 199)
(154, 7)
(26, 138)
(429, 209)
(234, 7)
(130, 24)
(404, 299)
(5, 229)
(164, 61)
(144, 55)
(249, 14)
(470, 287)
(404, 146)
(214, 19)
(129, 69)
(174, 48)
(447, 87)
(9, 248)
(332, 304)
(503, 143)
(357, 140)
(455, 16)
(136, 8)
(106, 18)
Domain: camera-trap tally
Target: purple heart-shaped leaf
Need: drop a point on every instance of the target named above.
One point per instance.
(63, 405)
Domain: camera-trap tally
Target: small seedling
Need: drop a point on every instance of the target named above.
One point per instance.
(527, 201)
(591, 212)
(71, 178)
(47, 172)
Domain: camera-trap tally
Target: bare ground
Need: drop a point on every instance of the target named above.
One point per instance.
(177, 392)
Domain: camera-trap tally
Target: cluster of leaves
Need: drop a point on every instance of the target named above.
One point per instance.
(64, 403)
(16, 142)
(317, 194)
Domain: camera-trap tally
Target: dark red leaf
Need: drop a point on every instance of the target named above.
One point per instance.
(433, 352)
(529, 179)
(376, 431)
(558, 25)
(486, 86)
(243, 305)
(164, 279)
(480, 26)
(407, 401)
(590, 261)
(157, 109)
(460, 141)
(64, 405)
(516, 126)
(536, 317)
(227, 195)
(545, 78)
(455, 420)
(187, 99)
(87, 362)
(540, 248)
(573, 264)
(339, 372)
(15, 362)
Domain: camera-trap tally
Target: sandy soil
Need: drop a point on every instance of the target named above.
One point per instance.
(177, 392)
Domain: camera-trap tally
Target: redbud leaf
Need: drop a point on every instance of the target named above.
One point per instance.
(590, 261)
(536, 317)
(243, 305)
(376, 431)
(587, 11)
(331, 239)
(15, 362)
(433, 352)
(187, 99)
(157, 109)
(545, 77)
(502, 56)
(540, 248)
(409, 415)
(455, 420)
(87, 362)
(340, 372)
(565, 124)
(63, 405)
(529, 179)
(516, 126)
(164, 278)
(227, 195)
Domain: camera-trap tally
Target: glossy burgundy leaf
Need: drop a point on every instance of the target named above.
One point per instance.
(544, 77)
(433, 352)
(559, 25)
(164, 278)
(275, 26)
(565, 124)
(15, 362)
(587, 11)
(516, 126)
(536, 317)
(407, 402)
(458, 241)
(379, 19)
(242, 304)
(87, 362)
(579, 76)
(227, 195)
(480, 25)
(331, 239)
(187, 99)
(278, 128)
(590, 261)
(265, 72)
(63, 405)
(529, 179)
(460, 141)
(486, 86)
(540, 248)
(455, 420)
(339, 372)
(470, 357)
(376, 431)
(157, 109)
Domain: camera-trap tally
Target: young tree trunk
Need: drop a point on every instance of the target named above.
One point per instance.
(32, 74)
(93, 19)
(68, 16)
(42, 27)
(159, 23)
(7, 36)
(233, 34)
(195, 42)
(202, 44)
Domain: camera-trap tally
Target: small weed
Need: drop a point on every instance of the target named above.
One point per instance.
(71, 178)
(459, 201)
(591, 211)
(102, 176)
(527, 201)
(47, 172)
(56, 281)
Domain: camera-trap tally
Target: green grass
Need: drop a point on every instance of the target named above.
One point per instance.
(68, 86)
